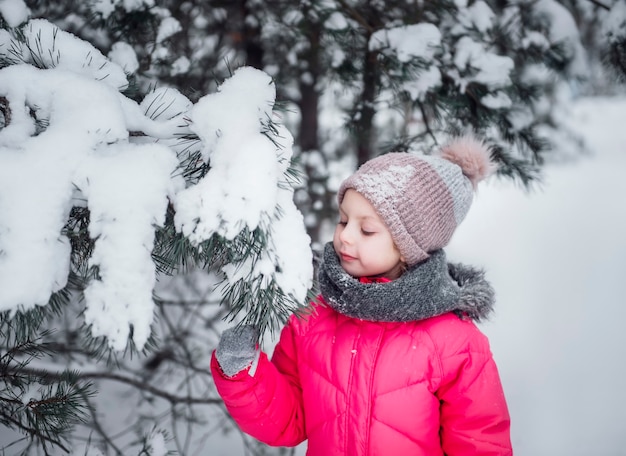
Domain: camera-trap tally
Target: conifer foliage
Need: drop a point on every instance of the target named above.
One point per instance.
(100, 194)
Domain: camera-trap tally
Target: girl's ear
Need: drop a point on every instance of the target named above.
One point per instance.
(402, 259)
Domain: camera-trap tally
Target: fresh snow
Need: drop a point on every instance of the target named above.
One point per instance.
(86, 156)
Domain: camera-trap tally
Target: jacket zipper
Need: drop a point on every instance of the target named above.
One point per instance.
(349, 430)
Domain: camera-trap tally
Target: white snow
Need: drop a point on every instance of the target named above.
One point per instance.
(427, 80)
(498, 100)
(84, 149)
(557, 259)
(180, 66)
(418, 41)
(169, 26)
(479, 16)
(85, 156)
(490, 69)
(336, 21)
(239, 153)
(564, 30)
(156, 444)
(78, 55)
(240, 190)
(14, 12)
(407, 42)
(615, 21)
(124, 210)
(124, 55)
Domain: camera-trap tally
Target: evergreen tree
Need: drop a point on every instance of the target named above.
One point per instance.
(184, 215)
(405, 75)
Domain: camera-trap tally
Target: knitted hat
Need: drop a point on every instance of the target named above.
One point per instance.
(423, 198)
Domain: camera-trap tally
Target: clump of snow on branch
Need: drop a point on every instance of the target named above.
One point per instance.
(241, 190)
(490, 69)
(478, 62)
(564, 30)
(14, 12)
(83, 153)
(614, 25)
(48, 46)
(66, 142)
(169, 26)
(123, 211)
(241, 157)
(418, 41)
(409, 41)
(124, 55)
(478, 16)
(106, 7)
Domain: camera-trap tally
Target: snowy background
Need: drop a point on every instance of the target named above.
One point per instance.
(557, 259)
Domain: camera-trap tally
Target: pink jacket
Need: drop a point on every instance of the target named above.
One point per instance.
(354, 387)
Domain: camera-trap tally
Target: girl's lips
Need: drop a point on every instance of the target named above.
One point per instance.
(346, 257)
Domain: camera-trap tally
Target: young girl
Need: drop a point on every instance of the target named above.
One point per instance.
(389, 361)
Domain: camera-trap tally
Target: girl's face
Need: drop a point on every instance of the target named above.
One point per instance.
(363, 242)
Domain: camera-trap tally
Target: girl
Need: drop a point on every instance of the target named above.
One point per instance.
(389, 361)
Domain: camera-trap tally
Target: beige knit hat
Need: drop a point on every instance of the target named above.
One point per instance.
(423, 198)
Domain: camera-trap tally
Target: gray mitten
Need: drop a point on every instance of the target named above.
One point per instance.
(237, 349)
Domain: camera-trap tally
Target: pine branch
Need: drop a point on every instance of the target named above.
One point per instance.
(426, 120)
(358, 17)
(140, 385)
(34, 433)
(96, 423)
(600, 4)
(5, 109)
(47, 419)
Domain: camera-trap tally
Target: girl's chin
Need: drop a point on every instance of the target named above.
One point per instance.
(350, 269)
(356, 272)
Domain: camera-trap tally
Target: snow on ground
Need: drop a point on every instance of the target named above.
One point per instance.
(557, 258)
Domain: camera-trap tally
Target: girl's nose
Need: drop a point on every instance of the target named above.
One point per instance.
(346, 235)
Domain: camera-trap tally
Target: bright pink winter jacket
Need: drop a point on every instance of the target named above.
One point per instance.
(354, 387)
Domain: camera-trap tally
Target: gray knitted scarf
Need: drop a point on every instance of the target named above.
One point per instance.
(432, 287)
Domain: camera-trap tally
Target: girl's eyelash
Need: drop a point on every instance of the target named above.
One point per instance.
(364, 232)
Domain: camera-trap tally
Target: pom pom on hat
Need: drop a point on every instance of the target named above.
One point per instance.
(423, 198)
(472, 155)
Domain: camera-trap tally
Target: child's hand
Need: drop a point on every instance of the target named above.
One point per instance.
(237, 349)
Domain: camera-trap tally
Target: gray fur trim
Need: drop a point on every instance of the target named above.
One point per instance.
(477, 295)
(427, 289)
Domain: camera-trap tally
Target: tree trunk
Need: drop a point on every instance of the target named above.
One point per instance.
(251, 37)
(364, 125)
(309, 95)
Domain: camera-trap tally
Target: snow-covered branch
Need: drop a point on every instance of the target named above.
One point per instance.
(67, 143)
